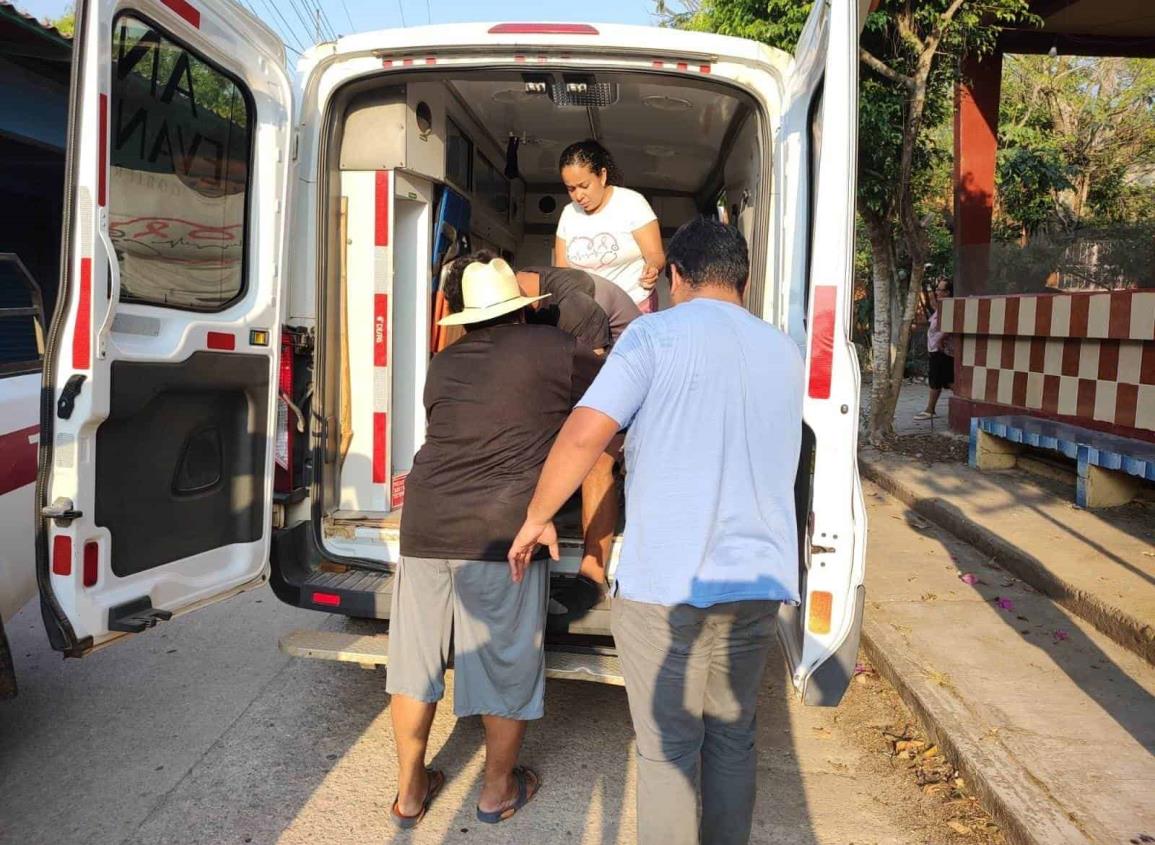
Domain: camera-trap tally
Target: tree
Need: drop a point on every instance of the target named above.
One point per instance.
(66, 23)
(912, 53)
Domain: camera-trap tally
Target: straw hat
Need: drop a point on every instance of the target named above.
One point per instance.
(488, 290)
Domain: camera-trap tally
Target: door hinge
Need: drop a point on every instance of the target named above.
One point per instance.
(62, 512)
(68, 394)
(136, 616)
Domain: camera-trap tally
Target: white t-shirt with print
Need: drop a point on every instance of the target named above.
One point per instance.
(603, 242)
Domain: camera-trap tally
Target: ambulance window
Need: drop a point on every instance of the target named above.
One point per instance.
(458, 157)
(491, 187)
(180, 146)
(21, 318)
(814, 155)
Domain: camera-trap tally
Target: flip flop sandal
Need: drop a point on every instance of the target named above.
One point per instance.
(923, 415)
(522, 774)
(404, 822)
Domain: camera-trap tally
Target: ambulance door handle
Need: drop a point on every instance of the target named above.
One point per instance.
(114, 285)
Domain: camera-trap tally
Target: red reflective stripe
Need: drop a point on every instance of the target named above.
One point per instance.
(704, 69)
(387, 63)
(91, 563)
(186, 10)
(62, 555)
(683, 66)
(18, 451)
(380, 432)
(329, 599)
(102, 161)
(82, 331)
(407, 62)
(519, 59)
(381, 202)
(221, 340)
(822, 341)
(659, 65)
(543, 29)
(381, 330)
(430, 60)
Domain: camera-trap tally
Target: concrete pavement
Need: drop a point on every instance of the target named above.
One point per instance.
(200, 731)
(1100, 564)
(1051, 721)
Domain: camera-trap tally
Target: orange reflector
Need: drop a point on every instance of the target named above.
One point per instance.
(821, 605)
(330, 599)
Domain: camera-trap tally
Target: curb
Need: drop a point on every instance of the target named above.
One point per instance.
(1021, 808)
(1133, 634)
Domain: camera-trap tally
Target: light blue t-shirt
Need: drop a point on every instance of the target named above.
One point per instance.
(712, 397)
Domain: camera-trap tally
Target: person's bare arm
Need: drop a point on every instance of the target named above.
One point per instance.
(559, 250)
(584, 437)
(649, 239)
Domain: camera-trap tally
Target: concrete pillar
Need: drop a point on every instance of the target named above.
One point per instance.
(976, 124)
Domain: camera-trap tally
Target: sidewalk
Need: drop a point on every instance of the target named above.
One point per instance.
(1051, 722)
(1100, 564)
(1035, 674)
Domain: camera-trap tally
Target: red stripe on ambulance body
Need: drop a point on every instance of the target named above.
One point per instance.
(380, 438)
(822, 341)
(381, 205)
(82, 329)
(186, 10)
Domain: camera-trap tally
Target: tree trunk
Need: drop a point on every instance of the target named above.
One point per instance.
(883, 276)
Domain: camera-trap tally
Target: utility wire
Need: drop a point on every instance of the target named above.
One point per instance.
(428, 12)
(286, 29)
(401, 7)
(303, 18)
(348, 17)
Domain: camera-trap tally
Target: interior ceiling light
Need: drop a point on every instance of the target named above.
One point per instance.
(583, 92)
(663, 103)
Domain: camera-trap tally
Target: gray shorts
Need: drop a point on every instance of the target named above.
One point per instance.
(493, 627)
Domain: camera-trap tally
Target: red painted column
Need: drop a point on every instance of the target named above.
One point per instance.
(976, 123)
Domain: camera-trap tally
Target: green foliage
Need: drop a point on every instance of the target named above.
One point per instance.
(1030, 179)
(66, 23)
(1091, 119)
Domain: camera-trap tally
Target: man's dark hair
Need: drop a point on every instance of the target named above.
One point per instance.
(708, 252)
(451, 287)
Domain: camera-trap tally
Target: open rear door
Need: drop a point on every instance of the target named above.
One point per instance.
(819, 138)
(156, 454)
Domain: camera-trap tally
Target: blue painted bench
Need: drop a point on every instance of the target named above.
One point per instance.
(1110, 468)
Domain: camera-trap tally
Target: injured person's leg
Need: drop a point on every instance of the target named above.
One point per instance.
(601, 506)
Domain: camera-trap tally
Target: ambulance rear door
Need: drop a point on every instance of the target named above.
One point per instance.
(156, 454)
(818, 152)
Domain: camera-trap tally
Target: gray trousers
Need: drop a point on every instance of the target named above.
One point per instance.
(693, 676)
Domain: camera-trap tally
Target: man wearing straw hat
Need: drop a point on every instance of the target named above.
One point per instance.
(494, 402)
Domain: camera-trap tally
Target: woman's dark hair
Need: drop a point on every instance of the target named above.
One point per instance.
(594, 156)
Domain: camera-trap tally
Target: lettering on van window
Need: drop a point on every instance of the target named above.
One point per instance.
(179, 153)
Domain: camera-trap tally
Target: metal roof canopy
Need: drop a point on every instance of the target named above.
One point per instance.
(1087, 28)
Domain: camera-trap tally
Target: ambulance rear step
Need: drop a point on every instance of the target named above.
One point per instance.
(372, 650)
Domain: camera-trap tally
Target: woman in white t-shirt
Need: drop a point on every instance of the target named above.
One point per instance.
(608, 229)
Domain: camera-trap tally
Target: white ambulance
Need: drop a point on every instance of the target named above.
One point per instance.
(234, 372)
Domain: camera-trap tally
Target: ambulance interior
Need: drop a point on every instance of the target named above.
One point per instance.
(419, 168)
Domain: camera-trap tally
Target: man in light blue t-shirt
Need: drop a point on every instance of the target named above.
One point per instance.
(712, 397)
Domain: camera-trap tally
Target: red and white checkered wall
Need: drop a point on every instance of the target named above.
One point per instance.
(1086, 357)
